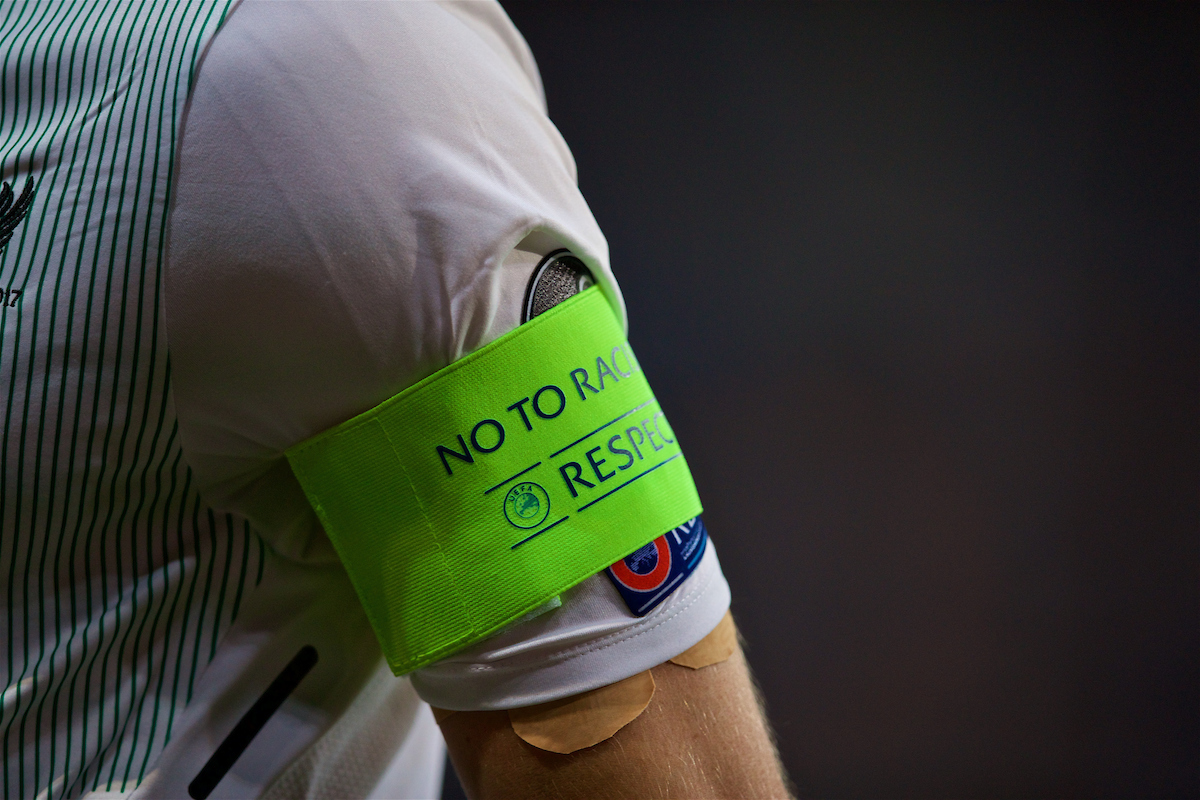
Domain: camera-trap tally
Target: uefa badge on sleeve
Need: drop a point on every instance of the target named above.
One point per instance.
(646, 576)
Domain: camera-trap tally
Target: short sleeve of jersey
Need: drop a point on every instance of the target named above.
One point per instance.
(362, 192)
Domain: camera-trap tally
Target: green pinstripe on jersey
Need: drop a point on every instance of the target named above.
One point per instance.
(116, 580)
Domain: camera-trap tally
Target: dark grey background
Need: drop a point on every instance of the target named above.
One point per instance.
(919, 288)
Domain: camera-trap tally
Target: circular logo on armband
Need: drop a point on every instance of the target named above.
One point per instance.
(646, 568)
(526, 505)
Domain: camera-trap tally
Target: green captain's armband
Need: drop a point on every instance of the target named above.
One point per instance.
(483, 491)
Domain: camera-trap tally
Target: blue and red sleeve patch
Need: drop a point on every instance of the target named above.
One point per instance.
(646, 576)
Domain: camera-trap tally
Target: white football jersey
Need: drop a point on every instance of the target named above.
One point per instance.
(249, 224)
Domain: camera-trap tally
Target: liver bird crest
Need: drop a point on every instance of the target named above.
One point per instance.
(12, 213)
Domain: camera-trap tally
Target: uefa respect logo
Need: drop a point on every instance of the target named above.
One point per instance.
(526, 505)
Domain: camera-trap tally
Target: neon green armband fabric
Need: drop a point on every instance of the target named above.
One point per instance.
(497, 483)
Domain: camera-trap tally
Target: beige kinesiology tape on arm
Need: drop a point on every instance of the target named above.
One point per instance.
(495, 484)
(586, 719)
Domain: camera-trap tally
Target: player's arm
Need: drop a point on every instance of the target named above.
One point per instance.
(364, 223)
(703, 735)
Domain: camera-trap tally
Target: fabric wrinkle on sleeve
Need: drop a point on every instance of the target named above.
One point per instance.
(591, 641)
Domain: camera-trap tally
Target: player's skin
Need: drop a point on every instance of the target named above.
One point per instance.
(702, 736)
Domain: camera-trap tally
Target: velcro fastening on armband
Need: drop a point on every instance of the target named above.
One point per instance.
(497, 483)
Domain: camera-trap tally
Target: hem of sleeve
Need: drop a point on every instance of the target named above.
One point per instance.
(685, 620)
